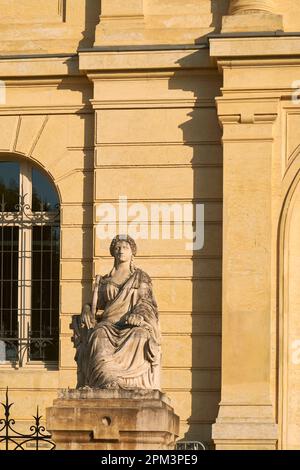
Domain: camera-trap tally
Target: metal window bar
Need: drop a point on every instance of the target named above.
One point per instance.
(44, 310)
(22, 342)
(11, 279)
(41, 278)
(51, 283)
(2, 276)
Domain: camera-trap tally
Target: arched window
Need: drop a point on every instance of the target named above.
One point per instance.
(29, 265)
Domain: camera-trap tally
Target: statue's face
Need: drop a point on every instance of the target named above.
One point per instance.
(123, 252)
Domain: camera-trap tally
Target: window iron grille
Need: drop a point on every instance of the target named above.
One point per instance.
(29, 273)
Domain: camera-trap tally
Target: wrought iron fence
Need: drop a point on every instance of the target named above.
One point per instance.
(190, 445)
(10, 439)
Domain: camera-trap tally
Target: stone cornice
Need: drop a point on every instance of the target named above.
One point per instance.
(101, 61)
(239, 47)
(39, 65)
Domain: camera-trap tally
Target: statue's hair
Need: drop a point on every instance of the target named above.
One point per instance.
(122, 238)
(132, 265)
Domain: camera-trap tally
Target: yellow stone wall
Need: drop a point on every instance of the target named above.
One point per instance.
(52, 26)
(152, 135)
(138, 102)
(48, 122)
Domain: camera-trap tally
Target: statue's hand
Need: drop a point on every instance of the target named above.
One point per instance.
(135, 319)
(87, 318)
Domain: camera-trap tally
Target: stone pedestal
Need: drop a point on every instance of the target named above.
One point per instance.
(112, 420)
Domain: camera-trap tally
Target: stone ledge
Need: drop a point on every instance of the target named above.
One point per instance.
(101, 61)
(247, 47)
(108, 394)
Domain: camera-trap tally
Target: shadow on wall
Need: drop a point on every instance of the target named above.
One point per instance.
(92, 15)
(203, 134)
(218, 10)
(86, 115)
(80, 83)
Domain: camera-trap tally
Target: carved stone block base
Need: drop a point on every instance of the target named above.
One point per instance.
(245, 427)
(112, 420)
(245, 436)
(252, 22)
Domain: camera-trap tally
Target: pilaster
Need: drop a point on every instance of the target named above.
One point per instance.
(248, 111)
(247, 416)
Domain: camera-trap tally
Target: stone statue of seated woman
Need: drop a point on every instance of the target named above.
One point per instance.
(117, 336)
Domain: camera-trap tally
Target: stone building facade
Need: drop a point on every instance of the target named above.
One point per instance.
(169, 102)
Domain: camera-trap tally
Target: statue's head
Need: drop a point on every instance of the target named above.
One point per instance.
(123, 248)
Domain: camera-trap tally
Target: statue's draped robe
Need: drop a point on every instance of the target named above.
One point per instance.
(121, 355)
